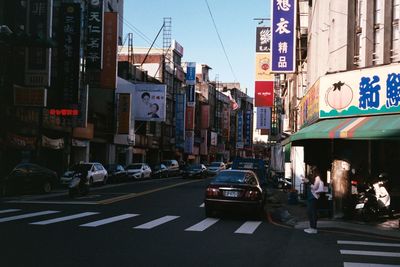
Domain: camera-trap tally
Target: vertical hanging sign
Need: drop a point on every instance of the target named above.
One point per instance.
(248, 129)
(283, 36)
(239, 139)
(180, 120)
(94, 50)
(191, 83)
(108, 77)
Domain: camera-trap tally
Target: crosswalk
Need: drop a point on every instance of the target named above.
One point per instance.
(369, 254)
(38, 218)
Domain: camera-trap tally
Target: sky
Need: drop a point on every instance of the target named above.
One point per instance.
(193, 28)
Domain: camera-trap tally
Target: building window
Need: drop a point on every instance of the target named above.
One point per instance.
(378, 32)
(395, 55)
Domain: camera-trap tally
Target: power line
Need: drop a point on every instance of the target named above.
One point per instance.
(220, 40)
(137, 31)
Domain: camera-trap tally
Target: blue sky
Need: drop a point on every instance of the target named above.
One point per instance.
(192, 27)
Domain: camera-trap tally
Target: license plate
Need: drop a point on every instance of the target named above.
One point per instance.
(360, 206)
(231, 193)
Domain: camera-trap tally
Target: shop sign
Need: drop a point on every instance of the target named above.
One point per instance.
(189, 118)
(361, 92)
(177, 47)
(264, 93)
(283, 40)
(52, 143)
(226, 122)
(94, 35)
(124, 113)
(21, 142)
(248, 128)
(309, 106)
(213, 138)
(80, 143)
(189, 142)
(263, 118)
(84, 132)
(205, 116)
(108, 77)
(191, 82)
(240, 127)
(263, 39)
(263, 67)
(204, 143)
(180, 120)
(28, 96)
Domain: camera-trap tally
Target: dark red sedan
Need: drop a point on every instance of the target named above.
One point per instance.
(234, 190)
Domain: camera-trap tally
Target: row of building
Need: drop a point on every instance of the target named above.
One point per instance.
(69, 92)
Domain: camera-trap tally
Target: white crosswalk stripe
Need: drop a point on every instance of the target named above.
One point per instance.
(359, 264)
(346, 242)
(65, 218)
(203, 225)
(202, 205)
(369, 253)
(28, 215)
(9, 210)
(156, 222)
(109, 220)
(248, 227)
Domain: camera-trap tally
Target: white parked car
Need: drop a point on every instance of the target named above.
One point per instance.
(216, 167)
(94, 171)
(138, 170)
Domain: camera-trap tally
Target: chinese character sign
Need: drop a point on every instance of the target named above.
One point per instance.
(263, 39)
(94, 34)
(360, 92)
(191, 81)
(283, 47)
(263, 118)
(240, 127)
(180, 120)
(264, 93)
(249, 129)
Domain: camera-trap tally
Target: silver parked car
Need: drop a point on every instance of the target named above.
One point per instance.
(138, 170)
(94, 171)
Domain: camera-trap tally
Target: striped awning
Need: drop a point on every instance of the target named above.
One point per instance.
(358, 128)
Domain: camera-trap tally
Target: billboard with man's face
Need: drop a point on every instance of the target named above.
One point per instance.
(149, 102)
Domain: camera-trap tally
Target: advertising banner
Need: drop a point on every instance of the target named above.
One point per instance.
(248, 128)
(26, 96)
(263, 118)
(52, 143)
(189, 142)
(204, 142)
(180, 120)
(239, 138)
(205, 116)
(226, 120)
(309, 106)
(124, 113)
(189, 120)
(213, 138)
(38, 58)
(68, 52)
(360, 92)
(191, 82)
(149, 102)
(263, 39)
(263, 67)
(283, 39)
(94, 35)
(264, 94)
(108, 77)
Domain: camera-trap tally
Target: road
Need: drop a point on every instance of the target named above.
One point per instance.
(162, 223)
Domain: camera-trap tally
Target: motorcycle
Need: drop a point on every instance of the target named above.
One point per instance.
(78, 186)
(372, 202)
(281, 182)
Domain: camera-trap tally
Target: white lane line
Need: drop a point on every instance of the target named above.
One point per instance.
(54, 202)
(28, 215)
(201, 206)
(370, 253)
(9, 210)
(345, 242)
(109, 220)
(65, 218)
(203, 225)
(359, 264)
(156, 222)
(248, 227)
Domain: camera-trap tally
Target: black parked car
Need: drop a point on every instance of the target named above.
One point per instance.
(159, 171)
(116, 173)
(195, 171)
(28, 177)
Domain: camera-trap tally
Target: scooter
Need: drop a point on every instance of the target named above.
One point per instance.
(78, 186)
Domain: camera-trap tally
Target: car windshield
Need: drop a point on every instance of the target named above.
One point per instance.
(230, 177)
(134, 167)
(215, 164)
(81, 167)
(194, 167)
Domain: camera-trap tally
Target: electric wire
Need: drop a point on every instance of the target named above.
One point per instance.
(220, 40)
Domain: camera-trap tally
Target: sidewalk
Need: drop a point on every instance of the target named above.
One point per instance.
(295, 215)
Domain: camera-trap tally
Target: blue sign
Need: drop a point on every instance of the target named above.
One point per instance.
(180, 120)
(283, 50)
(248, 128)
(240, 127)
(191, 73)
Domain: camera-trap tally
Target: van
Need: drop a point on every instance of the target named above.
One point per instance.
(173, 167)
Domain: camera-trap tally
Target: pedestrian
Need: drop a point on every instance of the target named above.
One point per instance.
(314, 187)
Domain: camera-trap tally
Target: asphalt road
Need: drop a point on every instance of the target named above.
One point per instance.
(162, 223)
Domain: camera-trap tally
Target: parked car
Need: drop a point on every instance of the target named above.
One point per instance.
(216, 167)
(94, 171)
(138, 170)
(233, 190)
(116, 173)
(159, 171)
(27, 177)
(195, 171)
(173, 167)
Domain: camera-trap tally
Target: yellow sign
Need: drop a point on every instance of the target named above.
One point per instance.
(263, 67)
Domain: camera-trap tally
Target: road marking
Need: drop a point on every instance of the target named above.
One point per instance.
(201, 206)
(54, 202)
(9, 210)
(156, 222)
(248, 227)
(65, 218)
(23, 216)
(370, 253)
(345, 242)
(203, 225)
(109, 220)
(358, 264)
